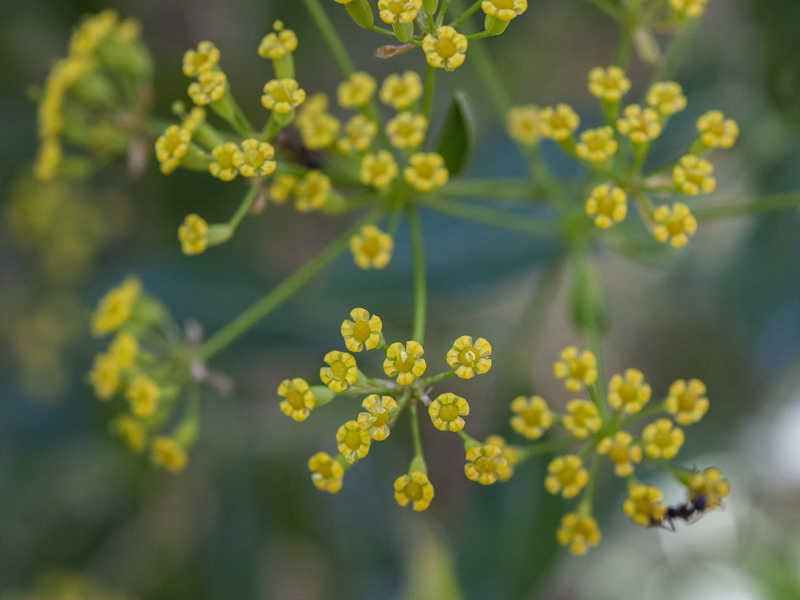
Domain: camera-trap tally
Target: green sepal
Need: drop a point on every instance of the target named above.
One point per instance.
(458, 134)
(403, 31)
(361, 12)
(495, 26)
(322, 394)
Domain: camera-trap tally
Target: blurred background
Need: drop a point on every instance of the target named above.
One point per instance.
(80, 517)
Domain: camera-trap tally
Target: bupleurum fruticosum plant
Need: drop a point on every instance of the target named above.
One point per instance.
(374, 152)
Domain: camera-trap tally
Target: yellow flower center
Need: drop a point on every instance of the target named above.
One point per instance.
(468, 356)
(627, 392)
(353, 439)
(281, 94)
(361, 331)
(485, 464)
(531, 416)
(663, 438)
(413, 491)
(567, 475)
(371, 247)
(448, 412)
(325, 470)
(503, 3)
(295, 399)
(577, 370)
(606, 205)
(618, 454)
(405, 362)
(687, 401)
(675, 226)
(381, 415)
(445, 48)
(225, 160)
(339, 369)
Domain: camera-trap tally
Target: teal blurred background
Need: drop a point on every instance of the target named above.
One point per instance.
(80, 517)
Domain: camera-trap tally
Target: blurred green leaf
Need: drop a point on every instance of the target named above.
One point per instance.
(458, 134)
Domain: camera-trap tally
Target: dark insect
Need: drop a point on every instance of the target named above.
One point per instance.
(689, 511)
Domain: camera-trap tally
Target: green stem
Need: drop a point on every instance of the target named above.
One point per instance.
(412, 413)
(612, 10)
(490, 188)
(435, 378)
(331, 37)
(585, 506)
(678, 47)
(247, 202)
(492, 218)
(465, 14)
(420, 290)
(381, 30)
(546, 447)
(479, 36)
(442, 13)
(643, 414)
(765, 204)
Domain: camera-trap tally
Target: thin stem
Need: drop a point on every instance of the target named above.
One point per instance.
(331, 37)
(764, 204)
(442, 13)
(247, 202)
(546, 447)
(479, 36)
(420, 289)
(493, 218)
(466, 13)
(381, 30)
(412, 413)
(643, 414)
(436, 378)
(490, 188)
(585, 506)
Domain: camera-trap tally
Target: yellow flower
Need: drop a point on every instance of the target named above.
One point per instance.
(621, 451)
(254, 158)
(415, 488)
(319, 131)
(279, 43)
(358, 134)
(342, 371)
(47, 159)
(363, 332)
(357, 90)
(131, 432)
(104, 376)
(486, 464)
(643, 505)
(446, 412)
(167, 453)
(505, 10)
(674, 224)
(639, 125)
(583, 418)
(445, 50)
(116, 307)
(298, 399)
(629, 393)
(662, 439)
(712, 485)
(312, 192)
(224, 165)
(597, 145)
(407, 130)
(194, 119)
(375, 420)
(88, 36)
(208, 88)
(607, 204)
(566, 474)
(426, 171)
(576, 370)
(579, 533)
(371, 248)
(193, 235)
(508, 452)
(532, 416)
(608, 84)
(401, 91)
(469, 359)
(124, 349)
(558, 123)
(405, 362)
(687, 401)
(399, 11)
(378, 170)
(312, 108)
(143, 393)
(282, 95)
(689, 8)
(171, 147)
(352, 441)
(666, 97)
(281, 188)
(522, 123)
(716, 131)
(694, 175)
(202, 60)
(326, 472)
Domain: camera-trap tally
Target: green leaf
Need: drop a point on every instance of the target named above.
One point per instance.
(458, 134)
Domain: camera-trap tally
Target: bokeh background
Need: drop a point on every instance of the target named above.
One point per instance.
(80, 517)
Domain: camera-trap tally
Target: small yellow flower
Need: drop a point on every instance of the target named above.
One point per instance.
(629, 393)
(143, 393)
(576, 370)
(254, 158)
(621, 451)
(92, 31)
(716, 131)
(358, 134)
(711, 484)
(104, 376)
(124, 349)
(558, 123)
(485, 464)
(375, 420)
(643, 505)
(522, 124)
(532, 416)
(666, 97)
(640, 125)
(566, 474)
(352, 441)
(326, 472)
(193, 235)
(281, 188)
(378, 170)
(687, 401)
(578, 533)
(508, 452)
(399, 11)
(131, 432)
(202, 60)
(298, 399)
(319, 131)
(415, 488)
(194, 119)
(208, 88)
(342, 371)
(401, 91)
(167, 453)
(426, 172)
(312, 192)
(405, 362)
(662, 439)
(691, 9)
(694, 175)
(446, 412)
(363, 332)
(608, 84)
(371, 248)
(116, 307)
(597, 145)
(171, 147)
(224, 165)
(282, 95)
(279, 43)
(674, 224)
(357, 90)
(470, 359)
(583, 418)
(445, 50)
(407, 130)
(313, 107)
(505, 10)
(607, 204)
